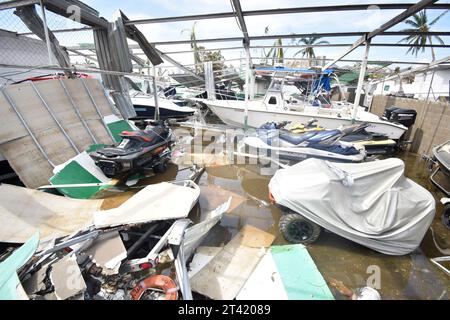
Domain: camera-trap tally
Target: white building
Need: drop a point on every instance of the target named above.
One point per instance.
(418, 85)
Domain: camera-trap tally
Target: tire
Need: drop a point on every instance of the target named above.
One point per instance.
(297, 229)
(161, 167)
(445, 218)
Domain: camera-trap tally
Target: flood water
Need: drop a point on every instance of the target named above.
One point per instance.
(401, 277)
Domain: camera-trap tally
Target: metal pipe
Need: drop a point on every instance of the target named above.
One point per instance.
(54, 118)
(47, 37)
(182, 274)
(247, 87)
(362, 74)
(77, 111)
(96, 108)
(385, 26)
(33, 137)
(155, 95)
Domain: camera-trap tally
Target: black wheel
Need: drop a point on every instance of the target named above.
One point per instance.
(161, 167)
(445, 218)
(297, 229)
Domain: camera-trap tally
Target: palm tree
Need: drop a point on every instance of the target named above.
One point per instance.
(419, 23)
(277, 52)
(308, 51)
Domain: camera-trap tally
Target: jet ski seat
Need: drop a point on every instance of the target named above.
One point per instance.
(310, 137)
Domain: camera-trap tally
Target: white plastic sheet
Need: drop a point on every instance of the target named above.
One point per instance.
(370, 203)
(162, 201)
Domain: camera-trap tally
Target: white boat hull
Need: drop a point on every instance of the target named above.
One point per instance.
(233, 113)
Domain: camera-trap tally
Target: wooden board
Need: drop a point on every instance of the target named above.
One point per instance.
(223, 277)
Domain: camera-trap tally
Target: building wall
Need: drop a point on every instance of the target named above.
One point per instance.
(432, 125)
(420, 86)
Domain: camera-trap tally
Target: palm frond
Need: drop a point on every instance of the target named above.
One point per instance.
(412, 23)
(438, 17)
(439, 39)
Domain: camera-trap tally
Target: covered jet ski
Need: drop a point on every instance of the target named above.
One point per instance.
(138, 150)
(371, 203)
(323, 144)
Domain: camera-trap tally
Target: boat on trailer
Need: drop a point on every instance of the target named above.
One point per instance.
(311, 103)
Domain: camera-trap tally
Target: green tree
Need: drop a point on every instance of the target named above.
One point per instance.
(276, 53)
(202, 55)
(419, 23)
(216, 57)
(308, 51)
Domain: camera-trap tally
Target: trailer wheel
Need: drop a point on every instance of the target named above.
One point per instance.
(297, 229)
(445, 218)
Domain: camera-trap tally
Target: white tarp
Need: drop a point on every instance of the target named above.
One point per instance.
(370, 203)
(23, 210)
(162, 201)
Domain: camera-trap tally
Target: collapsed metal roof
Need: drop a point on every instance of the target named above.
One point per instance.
(91, 19)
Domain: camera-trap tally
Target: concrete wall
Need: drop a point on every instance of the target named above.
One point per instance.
(432, 125)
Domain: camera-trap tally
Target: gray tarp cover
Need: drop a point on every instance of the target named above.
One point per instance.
(370, 203)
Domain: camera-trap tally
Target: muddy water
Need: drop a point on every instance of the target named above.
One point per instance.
(405, 277)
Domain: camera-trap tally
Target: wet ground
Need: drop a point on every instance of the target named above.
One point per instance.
(405, 277)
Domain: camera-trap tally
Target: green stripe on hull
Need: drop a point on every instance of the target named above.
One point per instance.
(301, 278)
(74, 173)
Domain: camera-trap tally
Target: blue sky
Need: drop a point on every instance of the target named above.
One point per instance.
(281, 24)
(278, 24)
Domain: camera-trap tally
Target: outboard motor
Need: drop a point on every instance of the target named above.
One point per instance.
(406, 117)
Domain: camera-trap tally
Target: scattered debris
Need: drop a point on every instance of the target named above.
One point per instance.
(202, 256)
(154, 202)
(223, 277)
(66, 278)
(68, 116)
(10, 286)
(23, 211)
(286, 272)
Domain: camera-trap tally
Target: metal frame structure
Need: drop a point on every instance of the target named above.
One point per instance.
(91, 18)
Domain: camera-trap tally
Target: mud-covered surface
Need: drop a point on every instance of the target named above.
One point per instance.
(399, 277)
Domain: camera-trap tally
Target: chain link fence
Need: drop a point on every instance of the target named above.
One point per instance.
(20, 47)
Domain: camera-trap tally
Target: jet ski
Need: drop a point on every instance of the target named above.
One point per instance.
(439, 164)
(322, 144)
(374, 143)
(138, 150)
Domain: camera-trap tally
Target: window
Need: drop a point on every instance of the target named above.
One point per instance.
(273, 100)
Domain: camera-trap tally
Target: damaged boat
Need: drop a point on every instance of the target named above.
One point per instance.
(122, 254)
(277, 106)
